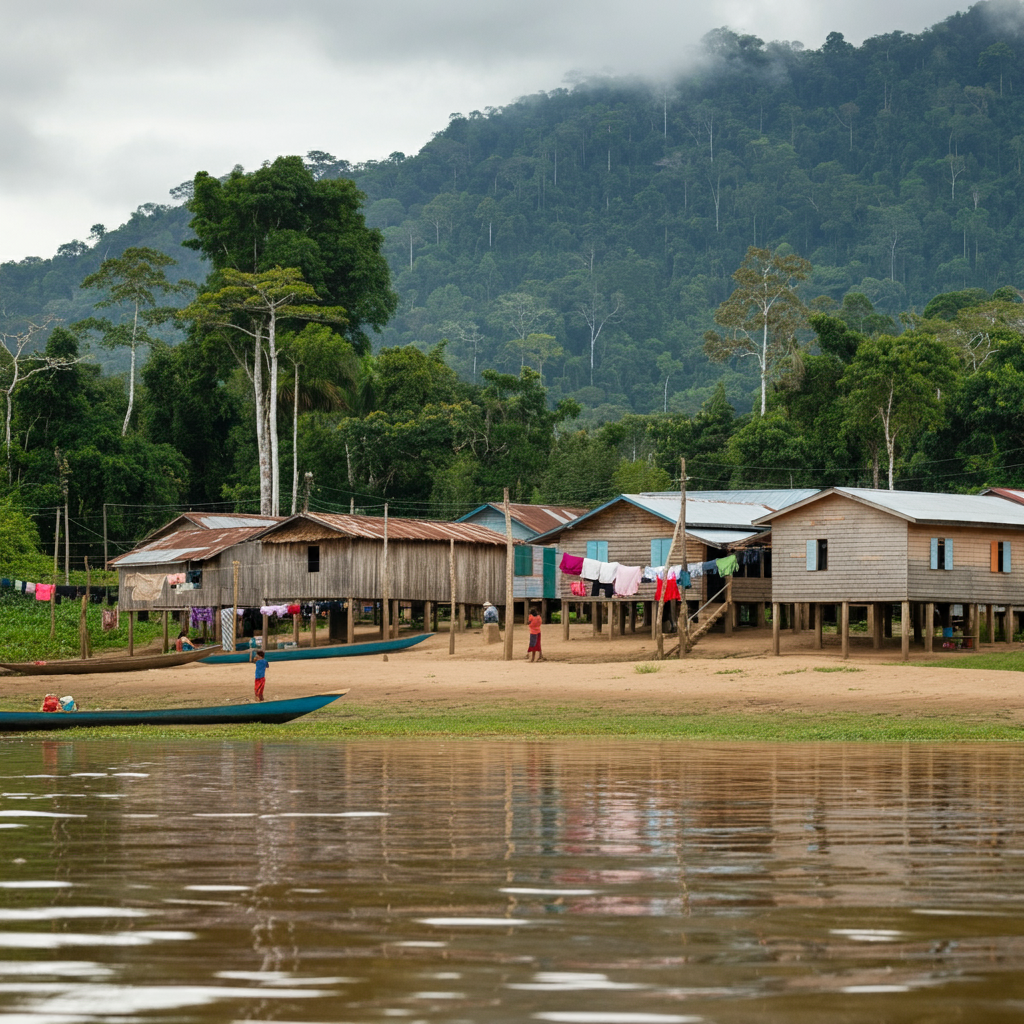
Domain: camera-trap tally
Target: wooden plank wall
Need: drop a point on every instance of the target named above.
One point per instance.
(867, 553)
(971, 580)
(629, 531)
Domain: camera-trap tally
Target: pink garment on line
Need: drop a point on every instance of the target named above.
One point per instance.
(44, 591)
(571, 565)
(627, 580)
(175, 578)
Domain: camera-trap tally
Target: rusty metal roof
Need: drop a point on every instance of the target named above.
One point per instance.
(186, 546)
(1009, 493)
(538, 518)
(211, 521)
(372, 528)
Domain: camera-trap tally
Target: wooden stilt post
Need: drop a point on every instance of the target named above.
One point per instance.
(350, 625)
(462, 617)
(234, 601)
(565, 612)
(990, 622)
(776, 627)
(385, 607)
(929, 628)
(396, 607)
(1008, 624)
(296, 619)
(817, 627)
(905, 630)
(451, 594)
(877, 625)
(265, 634)
(845, 627)
(131, 633)
(312, 627)
(165, 631)
(510, 604)
(728, 606)
(428, 612)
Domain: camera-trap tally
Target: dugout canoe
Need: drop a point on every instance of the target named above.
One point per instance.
(271, 711)
(312, 653)
(87, 666)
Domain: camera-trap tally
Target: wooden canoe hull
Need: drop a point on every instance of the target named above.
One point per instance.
(313, 653)
(88, 666)
(271, 711)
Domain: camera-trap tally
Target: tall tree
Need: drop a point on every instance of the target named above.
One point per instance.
(253, 305)
(894, 385)
(763, 314)
(281, 215)
(132, 281)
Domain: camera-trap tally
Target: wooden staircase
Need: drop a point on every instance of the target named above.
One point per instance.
(702, 627)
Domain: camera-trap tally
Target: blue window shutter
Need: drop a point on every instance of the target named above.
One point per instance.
(598, 549)
(592, 549)
(949, 553)
(660, 550)
(935, 553)
(1006, 556)
(812, 555)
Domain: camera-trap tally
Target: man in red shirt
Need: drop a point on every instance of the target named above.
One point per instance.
(534, 622)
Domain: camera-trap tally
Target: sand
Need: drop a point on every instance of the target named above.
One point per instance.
(722, 674)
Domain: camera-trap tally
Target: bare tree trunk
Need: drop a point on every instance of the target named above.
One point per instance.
(262, 447)
(764, 369)
(131, 393)
(295, 442)
(275, 461)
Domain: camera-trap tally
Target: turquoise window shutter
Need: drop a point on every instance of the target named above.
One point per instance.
(597, 549)
(1006, 556)
(949, 553)
(660, 550)
(935, 553)
(812, 555)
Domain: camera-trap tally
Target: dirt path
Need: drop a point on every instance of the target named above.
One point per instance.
(723, 674)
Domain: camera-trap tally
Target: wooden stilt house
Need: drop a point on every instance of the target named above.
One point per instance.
(943, 561)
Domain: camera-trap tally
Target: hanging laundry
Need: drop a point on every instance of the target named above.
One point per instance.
(44, 591)
(571, 565)
(194, 576)
(598, 589)
(144, 587)
(274, 609)
(627, 580)
(175, 578)
(709, 567)
(19, 585)
(30, 588)
(199, 616)
(185, 586)
(648, 575)
(591, 569)
(696, 570)
(5, 582)
(294, 609)
(110, 619)
(227, 629)
(606, 574)
(671, 590)
(684, 578)
(727, 566)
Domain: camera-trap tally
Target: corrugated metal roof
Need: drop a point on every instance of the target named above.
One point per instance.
(720, 538)
(1009, 493)
(931, 507)
(227, 522)
(539, 518)
(186, 546)
(698, 511)
(372, 528)
(773, 497)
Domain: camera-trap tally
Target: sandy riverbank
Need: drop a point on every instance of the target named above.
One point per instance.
(724, 674)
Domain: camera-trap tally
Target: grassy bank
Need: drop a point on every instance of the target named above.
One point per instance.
(1003, 661)
(541, 721)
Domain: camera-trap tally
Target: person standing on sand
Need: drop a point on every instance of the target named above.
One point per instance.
(261, 673)
(534, 622)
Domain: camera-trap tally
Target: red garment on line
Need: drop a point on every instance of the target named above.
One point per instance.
(671, 591)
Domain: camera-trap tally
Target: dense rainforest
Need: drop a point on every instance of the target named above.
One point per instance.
(556, 268)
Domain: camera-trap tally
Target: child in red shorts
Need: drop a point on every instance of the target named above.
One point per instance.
(261, 673)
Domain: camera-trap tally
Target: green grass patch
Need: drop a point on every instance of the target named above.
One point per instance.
(837, 668)
(646, 667)
(729, 672)
(792, 671)
(545, 720)
(1009, 661)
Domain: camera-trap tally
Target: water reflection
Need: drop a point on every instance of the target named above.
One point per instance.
(582, 883)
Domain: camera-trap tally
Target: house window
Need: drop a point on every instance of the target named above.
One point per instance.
(1000, 556)
(523, 560)
(598, 550)
(942, 553)
(817, 555)
(660, 550)
(766, 564)
(313, 558)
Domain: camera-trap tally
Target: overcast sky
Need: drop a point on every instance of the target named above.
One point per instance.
(106, 105)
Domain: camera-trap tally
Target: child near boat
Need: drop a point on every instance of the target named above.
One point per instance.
(261, 673)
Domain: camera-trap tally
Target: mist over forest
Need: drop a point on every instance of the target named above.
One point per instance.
(557, 264)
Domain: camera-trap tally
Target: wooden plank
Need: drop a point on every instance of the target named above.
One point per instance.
(844, 627)
(905, 630)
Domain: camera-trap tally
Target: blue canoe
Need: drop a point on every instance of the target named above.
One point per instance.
(272, 711)
(304, 653)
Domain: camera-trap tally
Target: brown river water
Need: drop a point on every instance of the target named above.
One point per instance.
(585, 883)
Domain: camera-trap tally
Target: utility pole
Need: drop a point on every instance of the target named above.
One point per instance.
(385, 610)
(510, 604)
(53, 593)
(307, 486)
(451, 581)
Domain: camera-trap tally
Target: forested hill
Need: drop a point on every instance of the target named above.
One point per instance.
(605, 220)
